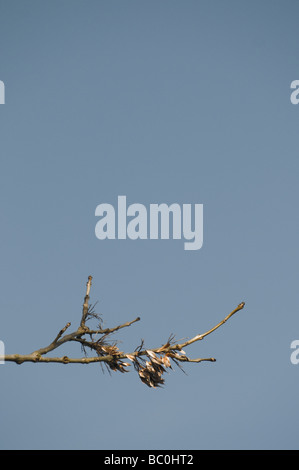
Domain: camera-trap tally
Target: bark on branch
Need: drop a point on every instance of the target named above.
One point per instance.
(150, 364)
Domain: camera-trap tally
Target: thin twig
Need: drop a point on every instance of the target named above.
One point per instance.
(107, 331)
(86, 300)
(203, 335)
(61, 332)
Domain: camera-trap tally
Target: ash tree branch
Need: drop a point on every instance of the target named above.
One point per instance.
(150, 364)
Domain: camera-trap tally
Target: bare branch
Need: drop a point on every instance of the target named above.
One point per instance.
(19, 359)
(149, 363)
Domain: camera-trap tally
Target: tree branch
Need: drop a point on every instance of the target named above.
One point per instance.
(149, 363)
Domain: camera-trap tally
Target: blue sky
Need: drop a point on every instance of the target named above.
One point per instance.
(182, 102)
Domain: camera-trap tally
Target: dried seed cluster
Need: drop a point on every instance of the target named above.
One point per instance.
(150, 371)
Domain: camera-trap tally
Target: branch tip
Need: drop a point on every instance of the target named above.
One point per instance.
(88, 285)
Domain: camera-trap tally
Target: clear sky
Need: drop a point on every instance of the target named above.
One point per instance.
(163, 101)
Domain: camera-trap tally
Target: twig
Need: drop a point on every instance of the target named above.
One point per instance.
(107, 331)
(203, 335)
(61, 332)
(86, 300)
